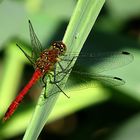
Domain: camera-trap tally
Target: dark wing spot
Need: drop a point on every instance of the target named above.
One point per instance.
(126, 53)
(117, 78)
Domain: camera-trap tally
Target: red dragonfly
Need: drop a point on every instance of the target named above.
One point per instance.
(45, 61)
(44, 64)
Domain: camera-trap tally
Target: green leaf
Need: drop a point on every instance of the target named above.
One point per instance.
(78, 29)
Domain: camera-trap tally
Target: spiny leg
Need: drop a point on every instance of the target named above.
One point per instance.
(52, 82)
(61, 90)
(63, 70)
(65, 74)
(56, 82)
(45, 83)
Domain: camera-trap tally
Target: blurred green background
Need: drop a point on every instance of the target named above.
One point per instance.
(102, 113)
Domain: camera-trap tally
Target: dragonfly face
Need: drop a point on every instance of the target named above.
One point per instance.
(60, 46)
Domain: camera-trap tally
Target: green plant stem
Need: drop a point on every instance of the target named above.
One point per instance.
(78, 29)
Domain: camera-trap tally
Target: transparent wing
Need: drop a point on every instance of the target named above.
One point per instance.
(32, 61)
(83, 78)
(88, 80)
(36, 45)
(103, 61)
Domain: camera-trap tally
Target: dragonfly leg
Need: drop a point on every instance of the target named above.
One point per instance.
(57, 81)
(63, 70)
(44, 81)
(65, 74)
(55, 74)
(53, 82)
(45, 85)
(61, 90)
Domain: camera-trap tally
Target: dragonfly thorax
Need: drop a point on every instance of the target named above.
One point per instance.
(50, 56)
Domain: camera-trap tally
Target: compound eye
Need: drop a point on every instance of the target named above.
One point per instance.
(59, 45)
(62, 48)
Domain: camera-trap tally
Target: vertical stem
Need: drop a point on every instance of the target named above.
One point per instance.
(78, 29)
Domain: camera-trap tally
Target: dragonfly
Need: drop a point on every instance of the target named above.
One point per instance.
(45, 61)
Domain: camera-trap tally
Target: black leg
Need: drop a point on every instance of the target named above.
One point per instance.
(63, 70)
(61, 90)
(55, 81)
(45, 83)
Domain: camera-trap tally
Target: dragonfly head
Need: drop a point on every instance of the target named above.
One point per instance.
(60, 46)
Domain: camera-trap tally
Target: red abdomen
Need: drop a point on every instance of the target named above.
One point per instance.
(37, 74)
